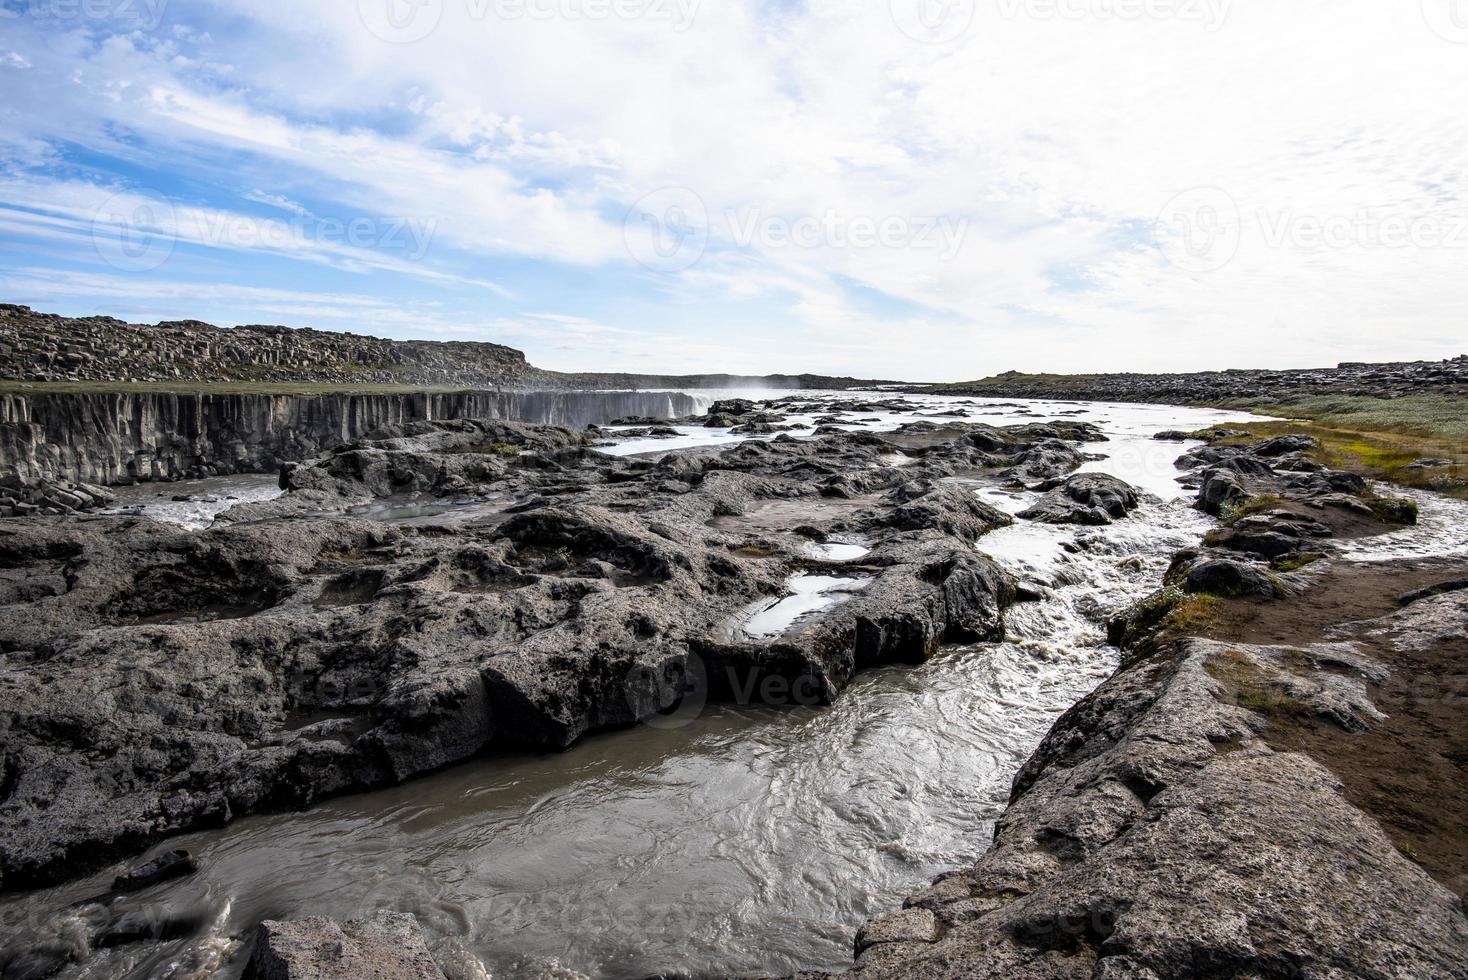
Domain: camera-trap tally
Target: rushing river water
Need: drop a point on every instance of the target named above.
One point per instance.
(744, 841)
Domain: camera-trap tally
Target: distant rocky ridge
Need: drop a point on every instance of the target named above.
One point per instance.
(1213, 387)
(45, 348)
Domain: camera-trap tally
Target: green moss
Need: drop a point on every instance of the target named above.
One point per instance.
(508, 449)
(1296, 562)
(1378, 438)
(1254, 505)
(1393, 510)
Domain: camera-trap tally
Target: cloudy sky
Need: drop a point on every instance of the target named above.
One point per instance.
(924, 189)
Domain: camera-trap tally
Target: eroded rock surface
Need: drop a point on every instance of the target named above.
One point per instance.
(156, 680)
(1155, 834)
(388, 946)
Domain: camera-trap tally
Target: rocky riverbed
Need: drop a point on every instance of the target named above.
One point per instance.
(1187, 818)
(158, 680)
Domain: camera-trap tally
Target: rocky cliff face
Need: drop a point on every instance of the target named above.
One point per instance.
(44, 347)
(119, 438)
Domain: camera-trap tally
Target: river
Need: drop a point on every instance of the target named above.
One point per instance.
(739, 841)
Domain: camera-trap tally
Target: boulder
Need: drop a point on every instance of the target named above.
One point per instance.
(1084, 498)
(386, 946)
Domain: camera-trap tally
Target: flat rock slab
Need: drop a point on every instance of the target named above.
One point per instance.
(387, 946)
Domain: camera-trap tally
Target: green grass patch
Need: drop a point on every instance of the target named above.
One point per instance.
(1294, 563)
(1378, 438)
(1233, 513)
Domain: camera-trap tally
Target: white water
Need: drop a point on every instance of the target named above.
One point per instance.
(206, 499)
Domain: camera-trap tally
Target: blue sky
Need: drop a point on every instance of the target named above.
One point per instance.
(928, 189)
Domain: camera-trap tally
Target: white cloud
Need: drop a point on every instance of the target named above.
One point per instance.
(1053, 140)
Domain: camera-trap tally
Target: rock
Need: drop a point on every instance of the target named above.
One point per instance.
(907, 926)
(1281, 445)
(1229, 578)
(735, 407)
(387, 946)
(1152, 832)
(165, 867)
(1084, 498)
(1220, 488)
(141, 658)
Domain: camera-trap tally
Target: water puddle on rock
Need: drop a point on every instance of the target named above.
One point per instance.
(741, 841)
(809, 594)
(202, 500)
(836, 551)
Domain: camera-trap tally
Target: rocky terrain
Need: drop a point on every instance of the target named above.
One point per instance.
(154, 681)
(1170, 826)
(45, 348)
(157, 680)
(1449, 377)
(122, 438)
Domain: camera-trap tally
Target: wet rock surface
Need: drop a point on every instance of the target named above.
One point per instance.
(1156, 834)
(388, 946)
(156, 680)
(1085, 498)
(1167, 827)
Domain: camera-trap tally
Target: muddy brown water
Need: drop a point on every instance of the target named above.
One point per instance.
(735, 840)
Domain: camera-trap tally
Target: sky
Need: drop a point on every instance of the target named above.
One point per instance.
(926, 190)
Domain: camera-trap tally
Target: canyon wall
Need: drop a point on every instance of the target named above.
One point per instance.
(118, 438)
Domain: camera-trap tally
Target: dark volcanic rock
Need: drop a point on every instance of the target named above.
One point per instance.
(166, 867)
(1085, 498)
(159, 680)
(388, 946)
(1154, 834)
